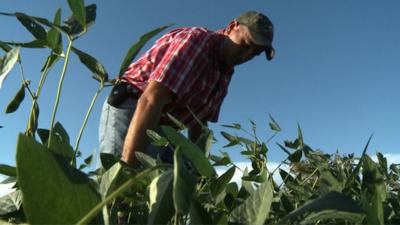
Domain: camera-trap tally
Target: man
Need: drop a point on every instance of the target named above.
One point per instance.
(186, 68)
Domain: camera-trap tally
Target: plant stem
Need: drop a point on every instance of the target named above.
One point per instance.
(78, 139)
(60, 83)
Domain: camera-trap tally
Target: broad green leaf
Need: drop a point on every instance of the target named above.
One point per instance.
(260, 178)
(383, 166)
(247, 188)
(53, 191)
(274, 125)
(161, 202)
(7, 63)
(329, 215)
(157, 139)
(373, 191)
(92, 64)
(78, 11)
(134, 50)
(8, 170)
(189, 150)
(32, 26)
(331, 201)
(17, 100)
(218, 185)
(54, 39)
(184, 184)
(328, 181)
(10, 203)
(74, 28)
(255, 208)
(109, 179)
(233, 140)
(43, 135)
(198, 214)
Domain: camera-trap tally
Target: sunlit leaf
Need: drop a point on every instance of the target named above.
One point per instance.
(221, 161)
(236, 126)
(10, 203)
(183, 184)
(134, 50)
(7, 63)
(189, 150)
(17, 100)
(54, 40)
(256, 207)
(161, 202)
(53, 191)
(157, 139)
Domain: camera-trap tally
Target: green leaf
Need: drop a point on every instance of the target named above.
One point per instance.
(74, 28)
(157, 139)
(43, 135)
(296, 156)
(8, 170)
(7, 63)
(233, 140)
(205, 140)
(257, 178)
(32, 26)
(5, 47)
(184, 184)
(161, 199)
(221, 161)
(198, 214)
(109, 179)
(328, 181)
(274, 125)
(60, 142)
(383, 166)
(329, 215)
(53, 191)
(51, 60)
(236, 126)
(108, 160)
(54, 40)
(218, 185)
(10, 203)
(134, 50)
(78, 11)
(189, 150)
(178, 123)
(255, 208)
(146, 160)
(331, 201)
(373, 191)
(17, 100)
(31, 44)
(92, 64)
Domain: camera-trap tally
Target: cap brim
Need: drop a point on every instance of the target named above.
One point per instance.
(270, 53)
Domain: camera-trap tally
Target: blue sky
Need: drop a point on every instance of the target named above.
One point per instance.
(336, 70)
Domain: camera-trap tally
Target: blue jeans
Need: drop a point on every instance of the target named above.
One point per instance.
(114, 124)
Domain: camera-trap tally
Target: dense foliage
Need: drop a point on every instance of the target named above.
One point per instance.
(315, 187)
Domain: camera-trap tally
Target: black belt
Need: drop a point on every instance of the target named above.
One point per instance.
(122, 91)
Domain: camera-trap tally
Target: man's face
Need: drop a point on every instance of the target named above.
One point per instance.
(239, 46)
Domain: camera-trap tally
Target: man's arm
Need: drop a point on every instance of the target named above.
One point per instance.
(147, 116)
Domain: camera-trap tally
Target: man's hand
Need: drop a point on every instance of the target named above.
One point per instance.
(147, 116)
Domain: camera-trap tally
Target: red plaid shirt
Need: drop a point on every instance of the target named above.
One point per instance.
(188, 62)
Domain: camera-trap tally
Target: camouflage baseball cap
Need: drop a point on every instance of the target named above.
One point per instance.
(261, 30)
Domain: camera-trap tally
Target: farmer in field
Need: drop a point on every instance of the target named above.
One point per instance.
(186, 68)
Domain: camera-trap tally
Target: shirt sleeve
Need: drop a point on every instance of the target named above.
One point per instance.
(182, 61)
